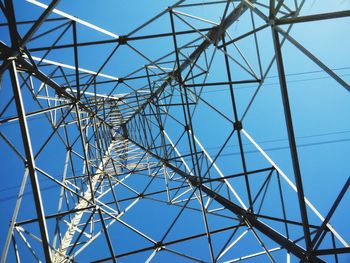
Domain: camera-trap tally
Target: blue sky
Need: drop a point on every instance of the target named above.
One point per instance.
(319, 109)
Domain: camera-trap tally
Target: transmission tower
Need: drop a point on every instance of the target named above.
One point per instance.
(148, 146)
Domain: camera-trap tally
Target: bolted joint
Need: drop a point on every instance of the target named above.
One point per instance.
(178, 79)
(158, 245)
(125, 131)
(308, 257)
(122, 40)
(238, 125)
(21, 51)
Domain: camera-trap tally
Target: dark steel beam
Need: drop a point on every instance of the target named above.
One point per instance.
(38, 22)
(34, 113)
(109, 41)
(222, 83)
(311, 18)
(33, 21)
(109, 242)
(172, 242)
(320, 234)
(343, 250)
(22, 42)
(291, 138)
(237, 126)
(76, 59)
(30, 161)
(10, 15)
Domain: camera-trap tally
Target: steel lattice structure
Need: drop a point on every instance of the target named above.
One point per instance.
(126, 157)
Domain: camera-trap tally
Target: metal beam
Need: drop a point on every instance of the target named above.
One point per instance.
(28, 35)
(310, 18)
(30, 161)
(320, 234)
(109, 41)
(239, 211)
(313, 58)
(213, 36)
(291, 138)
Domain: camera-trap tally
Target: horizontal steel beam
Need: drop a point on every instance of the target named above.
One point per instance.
(311, 18)
(109, 41)
(342, 250)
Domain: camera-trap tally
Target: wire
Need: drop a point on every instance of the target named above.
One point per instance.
(12, 197)
(274, 84)
(250, 86)
(279, 140)
(43, 189)
(230, 154)
(287, 147)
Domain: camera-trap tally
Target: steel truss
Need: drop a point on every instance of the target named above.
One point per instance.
(137, 180)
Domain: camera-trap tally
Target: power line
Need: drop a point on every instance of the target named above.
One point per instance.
(248, 86)
(12, 196)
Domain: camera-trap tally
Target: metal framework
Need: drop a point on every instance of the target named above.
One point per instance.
(126, 157)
